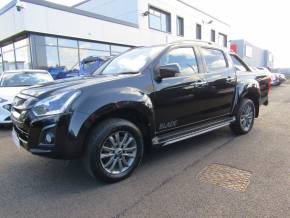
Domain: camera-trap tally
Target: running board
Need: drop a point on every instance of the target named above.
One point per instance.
(180, 137)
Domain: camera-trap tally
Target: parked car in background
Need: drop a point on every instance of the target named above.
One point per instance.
(147, 96)
(12, 82)
(62, 73)
(284, 71)
(91, 64)
(277, 78)
(87, 67)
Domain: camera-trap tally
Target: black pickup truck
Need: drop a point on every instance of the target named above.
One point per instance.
(147, 96)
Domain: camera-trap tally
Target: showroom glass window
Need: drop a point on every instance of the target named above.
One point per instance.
(51, 53)
(180, 26)
(8, 57)
(22, 53)
(214, 59)
(62, 56)
(184, 57)
(16, 55)
(45, 53)
(159, 20)
(88, 49)
(68, 55)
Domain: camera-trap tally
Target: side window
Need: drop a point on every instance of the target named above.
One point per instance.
(214, 59)
(238, 65)
(184, 57)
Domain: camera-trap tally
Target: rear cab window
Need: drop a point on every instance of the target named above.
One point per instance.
(239, 65)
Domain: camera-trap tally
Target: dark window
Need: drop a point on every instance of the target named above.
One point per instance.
(212, 35)
(184, 57)
(159, 20)
(238, 64)
(198, 31)
(214, 59)
(223, 40)
(180, 26)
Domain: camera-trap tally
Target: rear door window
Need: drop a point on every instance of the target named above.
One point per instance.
(214, 59)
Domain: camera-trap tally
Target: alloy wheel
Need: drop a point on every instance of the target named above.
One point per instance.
(246, 117)
(118, 152)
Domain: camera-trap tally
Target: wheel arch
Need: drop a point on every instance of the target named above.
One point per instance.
(250, 90)
(135, 112)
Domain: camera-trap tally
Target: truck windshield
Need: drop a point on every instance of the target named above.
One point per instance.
(131, 61)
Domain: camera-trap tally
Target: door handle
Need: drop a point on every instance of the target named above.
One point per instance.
(199, 84)
(230, 79)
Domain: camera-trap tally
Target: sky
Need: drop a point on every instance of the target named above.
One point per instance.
(264, 23)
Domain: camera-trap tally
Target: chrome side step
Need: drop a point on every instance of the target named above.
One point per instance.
(157, 141)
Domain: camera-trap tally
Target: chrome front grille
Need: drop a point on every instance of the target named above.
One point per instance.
(22, 135)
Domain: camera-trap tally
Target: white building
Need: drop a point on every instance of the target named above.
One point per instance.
(41, 34)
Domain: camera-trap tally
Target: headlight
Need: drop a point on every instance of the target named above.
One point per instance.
(55, 104)
(2, 100)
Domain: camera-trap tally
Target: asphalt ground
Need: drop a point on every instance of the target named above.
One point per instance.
(167, 183)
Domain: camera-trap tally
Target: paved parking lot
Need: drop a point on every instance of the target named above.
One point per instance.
(168, 182)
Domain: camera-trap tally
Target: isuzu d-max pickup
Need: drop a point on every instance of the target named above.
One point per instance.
(147, 96)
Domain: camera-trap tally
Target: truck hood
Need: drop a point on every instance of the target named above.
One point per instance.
(76, 83)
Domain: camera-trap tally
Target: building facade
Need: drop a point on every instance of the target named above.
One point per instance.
(251, 54)
(42, 35)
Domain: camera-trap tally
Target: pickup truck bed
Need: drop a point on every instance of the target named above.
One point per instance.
(244, 72)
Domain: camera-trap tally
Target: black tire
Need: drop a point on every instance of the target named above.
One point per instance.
(237, 127)
(100, 135)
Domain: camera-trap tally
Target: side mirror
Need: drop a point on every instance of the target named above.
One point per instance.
(167, 71)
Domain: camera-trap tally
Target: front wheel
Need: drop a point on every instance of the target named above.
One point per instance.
(114, 150)
(245, 117)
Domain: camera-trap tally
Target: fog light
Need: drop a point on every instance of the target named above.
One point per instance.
(49, 138)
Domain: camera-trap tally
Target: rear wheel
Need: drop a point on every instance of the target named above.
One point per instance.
(114, 150)
(245, 117)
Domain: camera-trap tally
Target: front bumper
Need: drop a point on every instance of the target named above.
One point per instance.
(32, 131)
